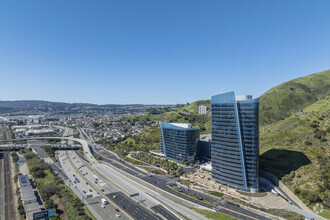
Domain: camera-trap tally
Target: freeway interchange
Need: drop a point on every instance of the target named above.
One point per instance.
(114, 180)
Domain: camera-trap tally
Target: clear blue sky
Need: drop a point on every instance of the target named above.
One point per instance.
(157, 51)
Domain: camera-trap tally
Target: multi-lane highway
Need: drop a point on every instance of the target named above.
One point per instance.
(128, 184)
(163, 183)
(85, 184)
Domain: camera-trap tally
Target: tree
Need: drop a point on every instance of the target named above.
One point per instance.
(14, 156)
(313, 197)
(179, 170)
(49, 190)
(39, 174)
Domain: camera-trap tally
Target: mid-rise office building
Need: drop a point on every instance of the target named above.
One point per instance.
(203, 150)
(235, 141)
(202, 110)
(179, 141)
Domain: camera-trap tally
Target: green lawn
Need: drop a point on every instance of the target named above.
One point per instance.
(135, 162)
(214, 193)
(214, 215)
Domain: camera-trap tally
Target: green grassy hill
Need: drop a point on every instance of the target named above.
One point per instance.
(293, 96)
(294, 133)
(193, 107)
(150, 139)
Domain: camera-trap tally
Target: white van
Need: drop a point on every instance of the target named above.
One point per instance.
(104, 201)
(275, 192)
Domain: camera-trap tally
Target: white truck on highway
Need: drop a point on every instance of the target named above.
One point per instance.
(104, 201)
(95, 177)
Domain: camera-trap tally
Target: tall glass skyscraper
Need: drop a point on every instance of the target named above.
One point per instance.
(179, 141)
(235, 141)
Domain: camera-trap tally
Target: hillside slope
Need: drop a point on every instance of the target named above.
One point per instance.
(294, 141)
(292, 96)
(194, 106)
(150, 139)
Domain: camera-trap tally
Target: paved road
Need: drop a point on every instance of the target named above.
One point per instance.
(135, 210)
(159, 182)
(160, 209)
(163, 182)
(85, 191)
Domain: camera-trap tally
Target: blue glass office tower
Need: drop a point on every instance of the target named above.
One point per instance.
(235, 141)
(179, 141)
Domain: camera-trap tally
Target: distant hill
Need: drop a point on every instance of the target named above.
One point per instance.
(293, 96)
(39, 107)
(194, 106)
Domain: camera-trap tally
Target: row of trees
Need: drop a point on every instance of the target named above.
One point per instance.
(52, 186)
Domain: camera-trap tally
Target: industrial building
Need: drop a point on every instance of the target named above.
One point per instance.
(29, 197)
(235, 141)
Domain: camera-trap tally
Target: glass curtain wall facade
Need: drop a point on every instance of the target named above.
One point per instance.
(235, 141)
(179, 141)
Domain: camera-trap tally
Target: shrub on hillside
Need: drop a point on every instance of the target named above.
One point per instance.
(313, 197)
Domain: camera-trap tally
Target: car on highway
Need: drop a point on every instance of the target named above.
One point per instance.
(117, 210)
(90, 190)
(86, 183)
(117, 215)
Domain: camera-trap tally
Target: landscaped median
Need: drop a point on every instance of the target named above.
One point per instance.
(191, 196)
(214, 215)
(54, 192)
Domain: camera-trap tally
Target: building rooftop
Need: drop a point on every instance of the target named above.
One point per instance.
(205, 137)
(182, 125)
(178, 126)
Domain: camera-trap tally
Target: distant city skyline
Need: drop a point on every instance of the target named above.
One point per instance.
(157, 52)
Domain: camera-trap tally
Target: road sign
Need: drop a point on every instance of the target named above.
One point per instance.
(44, 214)
(136, 194)
(39, 215)
(51, 212)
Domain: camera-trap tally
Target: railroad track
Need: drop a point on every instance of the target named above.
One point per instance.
(10, 212)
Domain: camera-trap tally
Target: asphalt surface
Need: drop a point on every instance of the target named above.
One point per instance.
(163, 182)
(86, 191)
(166, 214)
(135, 210)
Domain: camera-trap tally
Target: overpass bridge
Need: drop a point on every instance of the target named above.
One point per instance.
(12, 144)
(15, 147)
